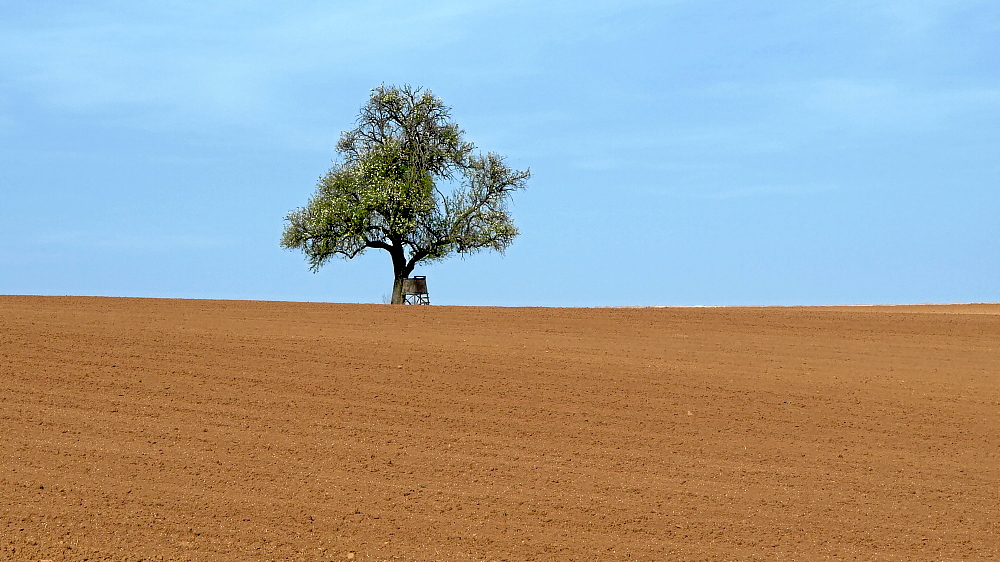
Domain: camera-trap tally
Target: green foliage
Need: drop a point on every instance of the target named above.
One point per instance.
(409, 184)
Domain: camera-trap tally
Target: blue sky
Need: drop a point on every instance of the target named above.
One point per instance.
(683, 152)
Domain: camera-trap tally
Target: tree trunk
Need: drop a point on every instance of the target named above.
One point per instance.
(397, 290)
(401, 269)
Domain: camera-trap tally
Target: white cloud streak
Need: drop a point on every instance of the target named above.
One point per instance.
(70, 240)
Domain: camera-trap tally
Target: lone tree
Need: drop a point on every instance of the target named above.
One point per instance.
(406, 183)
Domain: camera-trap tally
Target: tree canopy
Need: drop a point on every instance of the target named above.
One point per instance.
(408, 183)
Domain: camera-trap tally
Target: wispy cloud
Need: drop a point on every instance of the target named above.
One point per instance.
(194, 66)
(750, 191)
(862, 105)
(69, 240)
(191, 64)
(914, 17)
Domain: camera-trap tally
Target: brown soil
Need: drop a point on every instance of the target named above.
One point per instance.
(142, 429)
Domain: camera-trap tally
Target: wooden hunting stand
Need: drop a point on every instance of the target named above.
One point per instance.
(415, 290)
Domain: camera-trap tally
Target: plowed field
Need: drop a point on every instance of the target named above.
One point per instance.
(145, 429)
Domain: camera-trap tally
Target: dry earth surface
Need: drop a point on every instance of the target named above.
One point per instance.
(144, 429)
